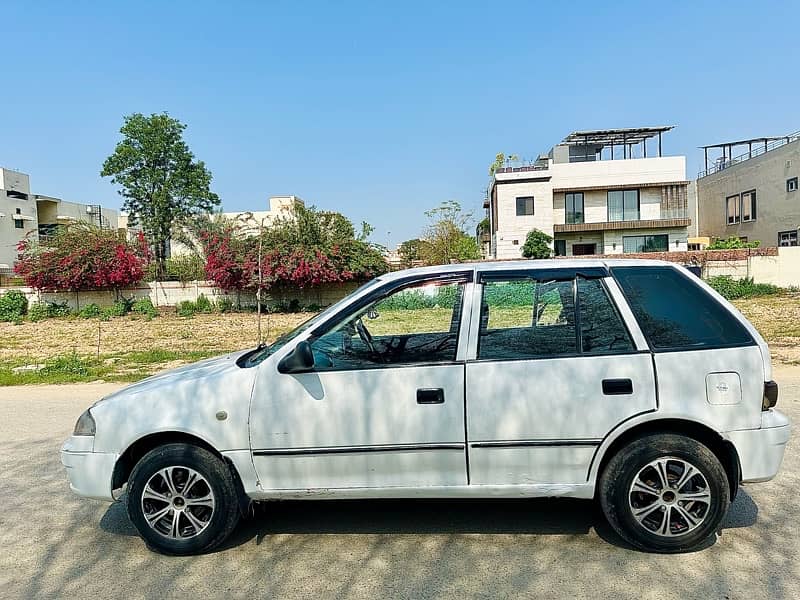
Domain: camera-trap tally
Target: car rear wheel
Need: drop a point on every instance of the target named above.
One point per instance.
(664, 493)
(182, 499)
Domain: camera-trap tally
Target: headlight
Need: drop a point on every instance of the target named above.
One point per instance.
(85, 424)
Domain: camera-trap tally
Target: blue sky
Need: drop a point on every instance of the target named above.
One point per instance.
(382, 110)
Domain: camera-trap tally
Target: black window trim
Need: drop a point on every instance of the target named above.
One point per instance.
(644, 236)
(462, 277)
(789, 182)
(525, 198)
(567, 212)
(638, 205)
(753, 208)
(563, 275)
(750, 342)
(738, 217)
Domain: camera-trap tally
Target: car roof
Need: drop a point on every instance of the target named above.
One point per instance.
(516, 265)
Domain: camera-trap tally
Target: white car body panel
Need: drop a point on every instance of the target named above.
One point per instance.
(323, 435)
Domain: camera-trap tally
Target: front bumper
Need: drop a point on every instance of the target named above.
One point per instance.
(89, 472)
(761, 450)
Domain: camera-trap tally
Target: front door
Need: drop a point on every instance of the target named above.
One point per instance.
(383, 405)
(555, 370)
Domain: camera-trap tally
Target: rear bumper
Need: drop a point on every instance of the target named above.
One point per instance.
(89, 473)
(761, 450)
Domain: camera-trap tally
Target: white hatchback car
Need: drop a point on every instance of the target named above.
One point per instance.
(628, 381)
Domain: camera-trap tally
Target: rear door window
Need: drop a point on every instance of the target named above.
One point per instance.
(677, 314)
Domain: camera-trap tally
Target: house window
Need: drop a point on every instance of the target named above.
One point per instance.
(524, 206)
(18, 222)
(644, 243)
(623, 205)
(561, 247)
(787, 238)
(748, 206)
(732, 209)
(791, 184)
(573, 202)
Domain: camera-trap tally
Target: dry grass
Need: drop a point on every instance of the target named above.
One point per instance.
(777, 318)
(131, 348)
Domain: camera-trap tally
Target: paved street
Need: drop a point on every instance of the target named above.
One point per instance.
(55, 544)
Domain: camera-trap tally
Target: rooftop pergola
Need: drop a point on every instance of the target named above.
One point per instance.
(727, 148)
(627, 138)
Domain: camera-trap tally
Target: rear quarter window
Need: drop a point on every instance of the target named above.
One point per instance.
(675, 313)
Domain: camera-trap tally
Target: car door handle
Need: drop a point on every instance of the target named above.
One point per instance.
(430, 396)
(617, 387)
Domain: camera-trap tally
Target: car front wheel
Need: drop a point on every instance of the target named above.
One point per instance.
(182, 499)
(664, 493)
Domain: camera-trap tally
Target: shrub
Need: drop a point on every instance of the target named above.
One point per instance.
(38, 311)
(13, 306)
(203, 304)
(81, 257)
(225, 305)
(120, 308)
(732, 288)
(144, 307)
(732, 243)
(187, 308)
(537, 245)
(58, 309)
(184, 267)
(89, 311)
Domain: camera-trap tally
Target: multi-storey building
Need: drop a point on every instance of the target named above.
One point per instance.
(753, 195)
(25, 215)
(607, 191)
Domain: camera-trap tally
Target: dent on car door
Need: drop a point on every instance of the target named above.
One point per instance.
(384, 404)
(555, 370)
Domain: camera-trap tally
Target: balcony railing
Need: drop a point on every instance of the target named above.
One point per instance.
(725, 163)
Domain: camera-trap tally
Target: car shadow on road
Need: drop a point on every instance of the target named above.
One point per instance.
(541, 516)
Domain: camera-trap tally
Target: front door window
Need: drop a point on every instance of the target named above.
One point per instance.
(415, 325)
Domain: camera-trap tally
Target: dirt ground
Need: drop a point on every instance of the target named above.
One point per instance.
(215, 333)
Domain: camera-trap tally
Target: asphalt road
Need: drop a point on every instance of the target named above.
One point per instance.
(53, 544)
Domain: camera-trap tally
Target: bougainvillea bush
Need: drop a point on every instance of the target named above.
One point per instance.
(311, 248)
(82, 257)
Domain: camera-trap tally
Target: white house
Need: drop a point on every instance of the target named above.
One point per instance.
(25, 215)
(597, 192)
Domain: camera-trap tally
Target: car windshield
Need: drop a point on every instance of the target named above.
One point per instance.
(262, 353)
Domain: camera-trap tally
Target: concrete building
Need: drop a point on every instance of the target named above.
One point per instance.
(753, 195)
(25, 215)
(597, 192)
(250, 221)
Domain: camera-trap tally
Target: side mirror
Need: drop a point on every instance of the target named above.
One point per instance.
(299, 360)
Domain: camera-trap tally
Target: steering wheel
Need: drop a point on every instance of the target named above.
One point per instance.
(365, 336)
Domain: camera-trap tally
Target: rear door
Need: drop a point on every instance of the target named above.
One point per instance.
(554, 369)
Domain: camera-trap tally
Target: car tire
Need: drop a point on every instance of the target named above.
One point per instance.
(182, 499)
(673, 517)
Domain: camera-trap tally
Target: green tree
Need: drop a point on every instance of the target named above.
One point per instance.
(537, 245)
(445, 238)
(162, 184)
(410, 252)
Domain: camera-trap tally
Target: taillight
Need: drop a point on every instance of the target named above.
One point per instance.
(770, 395)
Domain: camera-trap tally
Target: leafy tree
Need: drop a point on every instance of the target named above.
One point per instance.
(445, 238)
(411, 251)
(732, 243)
(537, 245)
(162, 183)
(82, 257)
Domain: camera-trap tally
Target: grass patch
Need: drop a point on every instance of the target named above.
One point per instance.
(734, 289)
